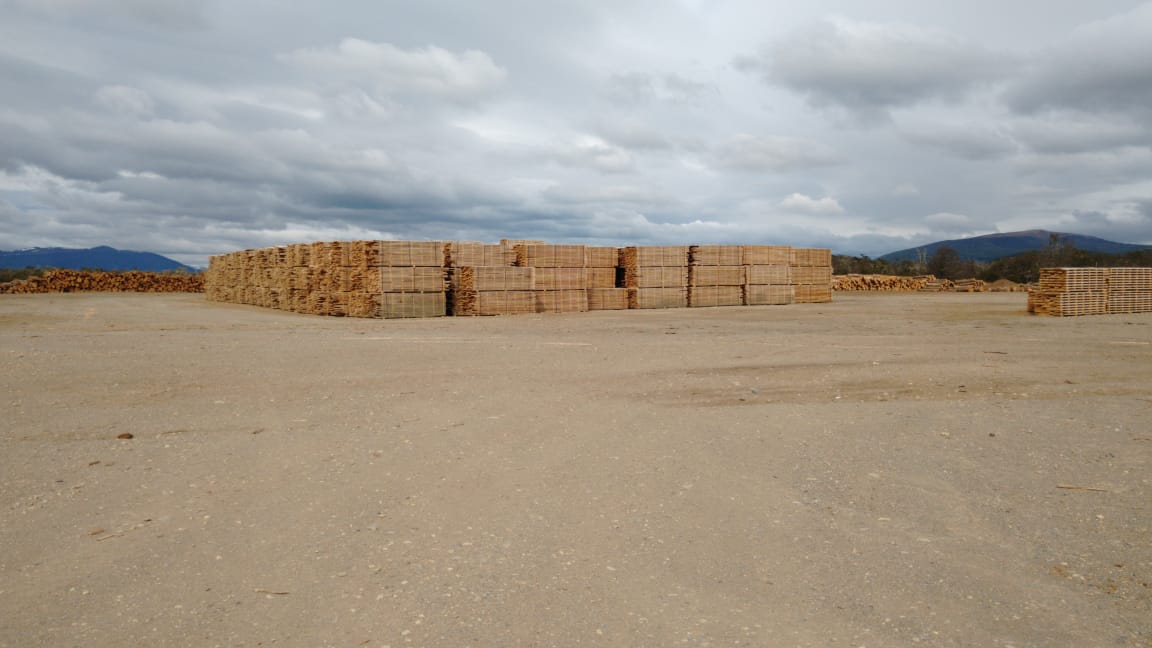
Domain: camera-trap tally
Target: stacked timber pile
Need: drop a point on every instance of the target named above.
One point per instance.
(460, 254)
(493, 290)
(1130, 290)
(57, 281)
(389, 279)
(811, 272)
(656, 276)
(604, 291)
(561, 276)
(412, 279)
(932, 284)
(880, 283)
(968, 285)
(715, 276)
(767, 275)
(1064, 292)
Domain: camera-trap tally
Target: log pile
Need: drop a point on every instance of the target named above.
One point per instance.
(1063, 292)
(432, 278)
(62, 281)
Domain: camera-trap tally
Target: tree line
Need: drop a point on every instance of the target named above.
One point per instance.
(946, 263)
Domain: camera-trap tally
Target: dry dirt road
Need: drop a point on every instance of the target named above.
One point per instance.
(885, 470)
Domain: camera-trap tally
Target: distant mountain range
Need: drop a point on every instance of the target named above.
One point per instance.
(994, 246)
(97, 258)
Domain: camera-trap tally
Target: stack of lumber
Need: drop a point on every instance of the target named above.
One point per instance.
(767, 275)
(604, 291)
(412, 280)
(1064, 292)
(716, 275)
(561, 276)
(459, 254)
(656, 276)
(57, 281)
(493, 290)
(1130, 290)
(390, 279)
(811, 274)
(356, 278)
(968, 285)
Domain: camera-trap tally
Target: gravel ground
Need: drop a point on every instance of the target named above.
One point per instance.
(884, 470)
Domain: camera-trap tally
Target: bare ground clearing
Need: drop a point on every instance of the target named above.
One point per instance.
(881, 470)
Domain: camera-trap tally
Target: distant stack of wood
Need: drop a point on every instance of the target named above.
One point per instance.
(429, 279)
(768, 275)
(561, 276)
(1064, 292)
(969, 285)
(57, 281)
(880, 283)
(811, 270)
(656, 276)
(716, 275)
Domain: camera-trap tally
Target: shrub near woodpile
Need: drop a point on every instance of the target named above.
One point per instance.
(59, 281)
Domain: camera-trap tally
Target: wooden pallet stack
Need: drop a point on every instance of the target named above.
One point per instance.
(715, 276)
(811, 275)
(561, 276)
(767, 275)
(656, 276)
(493, 290)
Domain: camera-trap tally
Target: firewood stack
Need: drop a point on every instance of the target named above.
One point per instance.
(767, 275)
(561, 276)
(60, 281)
(655, 276)
(715, 276)
(811, 271)
(1064, 292)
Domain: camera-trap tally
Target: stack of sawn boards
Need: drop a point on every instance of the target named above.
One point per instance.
(393, 279)
(1063, 292)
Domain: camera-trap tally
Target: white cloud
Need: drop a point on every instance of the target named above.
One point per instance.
(799, 202)
(389, 69)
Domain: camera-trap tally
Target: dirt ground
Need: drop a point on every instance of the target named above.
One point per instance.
(884, 470)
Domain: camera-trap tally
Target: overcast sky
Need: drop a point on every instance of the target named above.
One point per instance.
(197, 127)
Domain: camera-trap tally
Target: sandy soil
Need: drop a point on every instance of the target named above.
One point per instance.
(884, 470)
